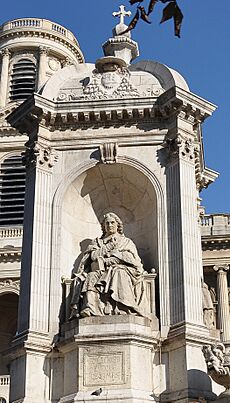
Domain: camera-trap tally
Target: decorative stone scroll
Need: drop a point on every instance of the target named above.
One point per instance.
(38, 154)
(108, 153)
(218, 364)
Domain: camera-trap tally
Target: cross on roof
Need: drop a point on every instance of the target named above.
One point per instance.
(122, 14)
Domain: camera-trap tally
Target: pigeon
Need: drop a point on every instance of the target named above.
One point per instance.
(97, 392)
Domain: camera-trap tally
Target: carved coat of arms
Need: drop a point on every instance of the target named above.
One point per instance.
(110, 84)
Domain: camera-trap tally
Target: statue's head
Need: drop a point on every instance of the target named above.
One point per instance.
(111, 224)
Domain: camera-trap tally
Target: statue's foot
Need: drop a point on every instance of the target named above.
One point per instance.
(85, 313)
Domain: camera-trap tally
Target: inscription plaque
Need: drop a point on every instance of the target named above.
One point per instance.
(103, 369)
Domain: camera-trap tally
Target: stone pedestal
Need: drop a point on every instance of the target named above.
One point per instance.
(110, 356)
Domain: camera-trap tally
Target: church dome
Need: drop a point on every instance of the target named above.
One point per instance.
(32, 50)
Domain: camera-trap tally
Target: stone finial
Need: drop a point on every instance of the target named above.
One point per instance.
(122, 13)
(121, 46)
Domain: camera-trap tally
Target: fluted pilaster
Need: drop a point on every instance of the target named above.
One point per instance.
(35, 274)
(43, 52)
(223, 303)
(4, 76)
(185, 261)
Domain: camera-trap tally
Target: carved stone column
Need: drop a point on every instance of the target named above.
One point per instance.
(4, 76)
(223, 303)
(39, 161)
(32, 343)
(185, 261)
(43, 52)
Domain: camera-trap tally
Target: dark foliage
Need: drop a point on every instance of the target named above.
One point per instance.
(170, 11)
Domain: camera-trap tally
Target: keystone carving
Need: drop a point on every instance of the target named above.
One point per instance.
(108, 153)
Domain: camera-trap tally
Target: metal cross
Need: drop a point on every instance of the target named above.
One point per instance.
(122, 14)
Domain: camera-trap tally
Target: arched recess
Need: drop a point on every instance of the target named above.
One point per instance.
(8, 324)
(127, 188)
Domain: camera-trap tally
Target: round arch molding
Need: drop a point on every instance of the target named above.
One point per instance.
(127, 188)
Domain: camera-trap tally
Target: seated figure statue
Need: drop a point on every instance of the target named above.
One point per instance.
(109, 279)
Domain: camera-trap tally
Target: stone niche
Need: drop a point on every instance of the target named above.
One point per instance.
(108, 353)
(121, 189)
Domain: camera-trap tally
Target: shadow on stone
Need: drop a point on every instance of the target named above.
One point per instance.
(200, 385)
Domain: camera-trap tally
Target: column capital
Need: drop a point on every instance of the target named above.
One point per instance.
(221, 268)
(181, 147)
(39, 155)
(5, 52)
(43, 50)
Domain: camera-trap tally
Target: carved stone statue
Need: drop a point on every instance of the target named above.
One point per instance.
(110, 277)
(208, 308)
(218, 365)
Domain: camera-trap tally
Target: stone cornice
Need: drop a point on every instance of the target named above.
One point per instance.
(10, 254)
(217, 242)
(46, 34)
(54, 115)
(204, 177)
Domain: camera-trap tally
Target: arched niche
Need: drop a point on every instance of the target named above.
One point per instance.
(119, 188)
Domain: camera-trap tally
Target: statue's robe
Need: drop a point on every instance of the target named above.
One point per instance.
(110, 278)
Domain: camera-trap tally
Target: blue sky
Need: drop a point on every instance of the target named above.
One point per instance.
(202, 56)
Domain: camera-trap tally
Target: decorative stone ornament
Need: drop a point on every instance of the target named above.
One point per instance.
(108, 153)
(218, 364)
(110, 80)
(38, 154)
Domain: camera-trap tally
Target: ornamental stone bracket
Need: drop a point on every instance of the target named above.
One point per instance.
(37, 154)
(108, 153)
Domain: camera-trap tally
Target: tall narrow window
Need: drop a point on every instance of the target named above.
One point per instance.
(12, 191)
(23, 79)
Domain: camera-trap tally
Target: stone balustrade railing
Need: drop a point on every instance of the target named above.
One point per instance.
(11, 232)
(4, 380)
(38, 24)
(215, 224)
